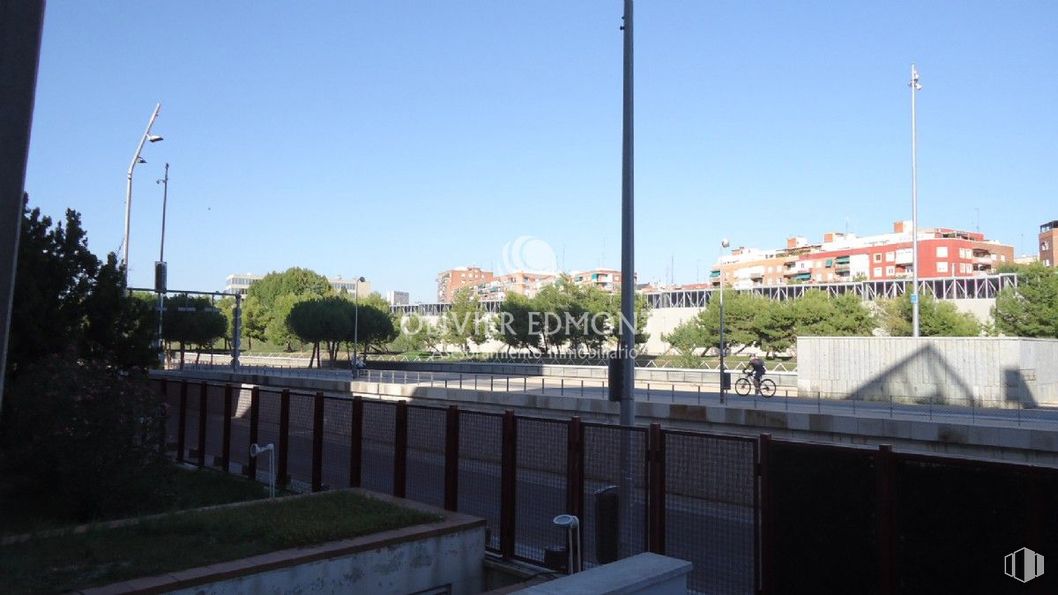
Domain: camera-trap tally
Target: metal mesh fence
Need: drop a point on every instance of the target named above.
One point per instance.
(171, 394)
(299, 453)
(268, 430)
(240, 429)
(710, 515)
(823, 505)
(957, 520)
(480, 443)
(214, 424)
(379, 424)
(426, 455)
(606, 448)
(541, 489)
(337, 414)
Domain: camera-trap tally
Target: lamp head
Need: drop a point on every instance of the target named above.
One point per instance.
(360, 279)
(154, 138)
(724, 243)
(566, 521)
(141, 160)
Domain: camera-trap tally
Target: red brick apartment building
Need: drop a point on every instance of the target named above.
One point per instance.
(450, 281)
(942, 252)
(1049, 243)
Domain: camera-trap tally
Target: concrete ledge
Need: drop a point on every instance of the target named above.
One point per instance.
(194, 579)
(643, 573)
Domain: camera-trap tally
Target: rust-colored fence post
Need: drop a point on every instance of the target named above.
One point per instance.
(400, 450)
(255, 423)
(656, 489)
(181, 424)
(575, 468)
(886, 533)
(225, 456)
(284, 438)
(202, 392)
(317, 443)
(452, 458)
(508, 483)
(766, 562)
(356, 441)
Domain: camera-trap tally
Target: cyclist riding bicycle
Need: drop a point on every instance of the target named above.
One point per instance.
(757, 365)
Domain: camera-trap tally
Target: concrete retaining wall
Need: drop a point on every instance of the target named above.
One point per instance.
(663, 375)
(989, 371)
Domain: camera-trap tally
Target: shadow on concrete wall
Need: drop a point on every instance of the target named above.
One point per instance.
(939, 374)
(1016, 390)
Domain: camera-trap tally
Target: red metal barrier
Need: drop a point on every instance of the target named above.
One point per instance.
(356, 442)
(656, 489)
(181, 426)
(317, 443)
(400, 450)
(508, 483)
(203, 390)
(575, 469)
(452, 458)
(284, 438)
(255, 418)
(886, 539)
(225, 458)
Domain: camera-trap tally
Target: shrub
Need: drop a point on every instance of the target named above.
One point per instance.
(86, 437)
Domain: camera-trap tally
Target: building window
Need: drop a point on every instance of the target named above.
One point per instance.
(1044, 246)
(942, 251)
(877, 271)
(890, 271)
(890, 257)
(878, 257)
(942, 267)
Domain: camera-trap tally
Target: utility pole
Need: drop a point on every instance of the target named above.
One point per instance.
(626, 347)
(915, 87)
(160, 268)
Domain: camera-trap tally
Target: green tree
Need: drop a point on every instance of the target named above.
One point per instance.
(268, 303)
(463, 323)
(513, 326)
(321, 320)
(68, 302)
(818, 314)
(686, 338)
(774, 326)
(415, 334)
(1031, 308)
(189, 320)
(740, 311)
(937, 318)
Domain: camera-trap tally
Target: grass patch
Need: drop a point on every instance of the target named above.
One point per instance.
(177, 542)
(21, 511)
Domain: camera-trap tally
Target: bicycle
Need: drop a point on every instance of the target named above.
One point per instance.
(745, 384)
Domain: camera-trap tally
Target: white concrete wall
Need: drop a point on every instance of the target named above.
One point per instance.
(990, 371)
(454, 559)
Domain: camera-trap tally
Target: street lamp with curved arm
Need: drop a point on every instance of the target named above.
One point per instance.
(136, 160)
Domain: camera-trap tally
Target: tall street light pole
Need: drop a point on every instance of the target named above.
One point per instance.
(136, 160)
(915, 87)
(160, 269)
(626, 348)
(723, 371)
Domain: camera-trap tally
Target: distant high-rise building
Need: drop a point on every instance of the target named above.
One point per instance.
(1049, 243)
(450, 281)
(398, 298)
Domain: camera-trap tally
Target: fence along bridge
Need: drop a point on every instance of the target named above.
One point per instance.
(945, 288)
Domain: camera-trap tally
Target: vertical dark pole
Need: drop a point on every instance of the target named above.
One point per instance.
(356, 441)
(452, 458)
(575, 469)
(202, 392)
(317, 443)
(163, 387)
(766, 527)
(756, 517)
(656, 498)
(181, 425)
(255, 422)
(508, 484)
(400, 451)
(284, 438)
(885, 519)
(225, 457)
(21, 23)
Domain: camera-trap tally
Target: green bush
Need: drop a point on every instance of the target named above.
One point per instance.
(86, 438)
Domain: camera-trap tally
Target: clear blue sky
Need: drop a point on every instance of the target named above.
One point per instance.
(396, 139)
